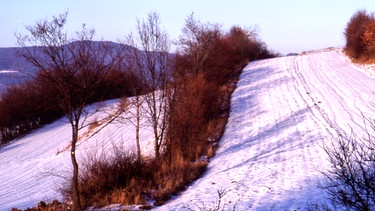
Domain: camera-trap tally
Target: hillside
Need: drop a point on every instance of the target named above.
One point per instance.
(282, 112)
(34, 167)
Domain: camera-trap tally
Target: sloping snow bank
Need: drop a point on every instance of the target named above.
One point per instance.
(282, 113)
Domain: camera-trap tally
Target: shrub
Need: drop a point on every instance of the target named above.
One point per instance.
(350, 183)
(368, 40)
(219, 204)
(107, 177)
(205, 68)
(359, 35)
(193, 108)
(23, 108)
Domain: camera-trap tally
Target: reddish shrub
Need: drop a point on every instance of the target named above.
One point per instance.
(359, 35)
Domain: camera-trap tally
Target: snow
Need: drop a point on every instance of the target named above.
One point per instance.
(282, 112)
(8, 71)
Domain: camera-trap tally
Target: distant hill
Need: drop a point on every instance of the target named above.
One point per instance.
(15, 69)
(10, 61)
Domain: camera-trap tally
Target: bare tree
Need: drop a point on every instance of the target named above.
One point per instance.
(198, 41)
(73, 68)
(350, 183)
(134, 118)
(151, 62)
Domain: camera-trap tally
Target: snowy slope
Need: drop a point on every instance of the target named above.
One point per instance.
(282, 112)
(31, 169)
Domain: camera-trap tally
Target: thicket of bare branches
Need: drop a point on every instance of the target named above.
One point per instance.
(151, 61)
(350, 182)
(207, 66)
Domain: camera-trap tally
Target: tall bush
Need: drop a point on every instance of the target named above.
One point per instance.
(359, 35)
(368, 40)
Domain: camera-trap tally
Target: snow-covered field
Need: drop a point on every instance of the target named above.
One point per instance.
(282, 113)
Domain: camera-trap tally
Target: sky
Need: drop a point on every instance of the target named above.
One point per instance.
(286, 26)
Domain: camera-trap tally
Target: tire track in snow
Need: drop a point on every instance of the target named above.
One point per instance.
(344, 92)
(320, 118)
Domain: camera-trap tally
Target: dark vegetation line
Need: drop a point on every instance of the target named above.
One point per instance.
(188, 113)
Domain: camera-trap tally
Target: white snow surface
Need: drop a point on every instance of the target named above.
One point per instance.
(282, 112)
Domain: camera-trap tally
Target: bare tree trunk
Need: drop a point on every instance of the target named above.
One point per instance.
(75, 187)
(155, 124)
(137, 128)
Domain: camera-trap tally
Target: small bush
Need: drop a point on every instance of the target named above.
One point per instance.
(350, 183)
(107, 177)
(219, 204)
(360, 37)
